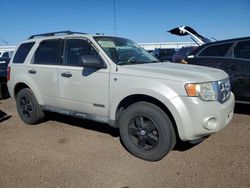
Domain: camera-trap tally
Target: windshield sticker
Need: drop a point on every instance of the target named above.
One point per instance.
(106, 44)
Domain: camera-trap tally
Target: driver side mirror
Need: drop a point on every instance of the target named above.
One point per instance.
(90, 61)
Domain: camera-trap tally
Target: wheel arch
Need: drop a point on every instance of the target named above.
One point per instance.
(21, 85)
(131, 99)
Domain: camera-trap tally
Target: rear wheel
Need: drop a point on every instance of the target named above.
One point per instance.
(28, 108)
(146, 131)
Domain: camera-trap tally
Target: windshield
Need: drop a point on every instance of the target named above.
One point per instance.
(123, 51)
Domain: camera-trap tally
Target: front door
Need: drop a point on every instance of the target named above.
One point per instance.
(82, 89)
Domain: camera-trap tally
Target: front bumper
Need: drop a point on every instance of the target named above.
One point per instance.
(195, 118)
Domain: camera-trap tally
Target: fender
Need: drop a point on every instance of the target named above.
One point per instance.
(27, 80)
(163, 96)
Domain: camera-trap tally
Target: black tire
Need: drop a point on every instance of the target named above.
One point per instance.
(4, 93)
(28, 108)
(146, 131)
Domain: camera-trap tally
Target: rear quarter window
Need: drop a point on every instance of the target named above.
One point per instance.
(22, 52)
(219, 50)
(242, 50)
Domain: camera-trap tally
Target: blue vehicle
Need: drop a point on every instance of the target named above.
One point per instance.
(4, 61)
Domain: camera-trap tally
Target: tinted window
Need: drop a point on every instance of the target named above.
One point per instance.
(242, 50)
(47, 52)
(216, 50)
(75, 49)
(22, 52)
(6, 54)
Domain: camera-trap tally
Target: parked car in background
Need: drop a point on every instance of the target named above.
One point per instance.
(164, 54)
(150, 51)
(232, 56)
(6, 53)
(4, 61)
(182, 53)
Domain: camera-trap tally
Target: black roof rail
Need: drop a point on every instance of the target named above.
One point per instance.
(55, 33)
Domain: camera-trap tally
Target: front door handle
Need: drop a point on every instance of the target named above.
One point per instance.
(32, 71)
(66, 74)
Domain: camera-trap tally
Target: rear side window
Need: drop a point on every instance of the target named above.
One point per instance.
(22, 52)
(242, 50)
(48, 52)
(216, 50)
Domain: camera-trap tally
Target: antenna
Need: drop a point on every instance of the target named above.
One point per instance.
(115, 17)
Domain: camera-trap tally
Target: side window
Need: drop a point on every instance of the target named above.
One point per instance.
(75, 49)
(216, 50)
(5, 54)
(48, 52)
(22, 52)
(242, 50)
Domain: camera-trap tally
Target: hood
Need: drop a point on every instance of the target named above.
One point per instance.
(175, 72)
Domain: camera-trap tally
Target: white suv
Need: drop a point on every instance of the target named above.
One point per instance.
(113, 80)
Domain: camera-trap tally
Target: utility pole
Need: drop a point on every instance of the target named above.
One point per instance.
(4, 41)
(115, 16)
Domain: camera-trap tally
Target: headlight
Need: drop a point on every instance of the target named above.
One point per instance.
(205, 91)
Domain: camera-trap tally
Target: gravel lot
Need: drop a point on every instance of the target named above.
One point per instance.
(69, 152)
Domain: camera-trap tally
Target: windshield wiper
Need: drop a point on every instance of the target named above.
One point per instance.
(154, 61)
(123, 63)
(132, 63)
(136, 62)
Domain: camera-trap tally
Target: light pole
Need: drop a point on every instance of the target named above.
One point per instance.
(4, 41)
(115, 17)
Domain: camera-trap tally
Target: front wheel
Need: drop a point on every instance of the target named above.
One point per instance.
(146, 131)
(28, 108)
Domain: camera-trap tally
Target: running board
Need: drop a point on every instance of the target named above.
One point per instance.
(100, 119)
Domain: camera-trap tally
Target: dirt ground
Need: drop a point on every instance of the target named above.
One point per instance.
(69, 152)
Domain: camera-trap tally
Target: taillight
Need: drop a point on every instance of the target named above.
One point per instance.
(8, 73)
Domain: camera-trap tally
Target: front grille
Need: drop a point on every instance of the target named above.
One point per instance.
(224, 90)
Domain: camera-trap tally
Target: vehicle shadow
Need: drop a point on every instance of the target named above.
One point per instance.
(242, 109)
(3, 116)
(86, 124)
(184, 146)
(104, 128)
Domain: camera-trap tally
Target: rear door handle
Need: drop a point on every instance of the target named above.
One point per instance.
(32, 71)
(66, 74)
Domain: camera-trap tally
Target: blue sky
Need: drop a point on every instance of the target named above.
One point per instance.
(139, 20)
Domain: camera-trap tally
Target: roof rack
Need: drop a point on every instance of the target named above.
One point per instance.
(55, 33)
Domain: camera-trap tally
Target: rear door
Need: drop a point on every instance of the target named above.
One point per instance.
(213, 55)
(43, 70)
(241, 84)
